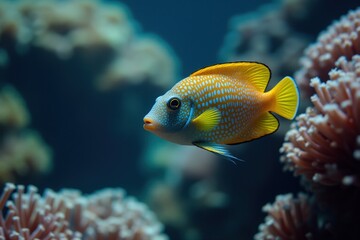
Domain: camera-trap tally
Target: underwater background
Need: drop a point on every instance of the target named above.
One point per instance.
(77, 78)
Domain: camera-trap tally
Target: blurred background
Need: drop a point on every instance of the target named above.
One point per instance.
(77, 77)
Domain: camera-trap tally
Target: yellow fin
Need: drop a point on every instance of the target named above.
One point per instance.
(266, 124)
(286, 98)
(257, 74)
(208, 119)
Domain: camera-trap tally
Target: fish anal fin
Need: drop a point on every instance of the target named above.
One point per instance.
(257, 74)
(207, 120)
(264, 125)
(217, 149)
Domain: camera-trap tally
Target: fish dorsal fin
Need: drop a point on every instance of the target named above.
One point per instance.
(257, 74)
(217, 149)
(264, 125)
(207, 120)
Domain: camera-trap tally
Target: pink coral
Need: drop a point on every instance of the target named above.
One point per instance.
(30, 216)
(106, 214)
(340, 39)
(288, 218)
(324, 145)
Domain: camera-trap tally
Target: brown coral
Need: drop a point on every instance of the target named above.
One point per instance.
(23, 153)
(106, 214)
(13, 111)
(324, 145)
(288, 218)
(340, 39)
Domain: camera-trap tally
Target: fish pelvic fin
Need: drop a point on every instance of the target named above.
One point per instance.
(218, 150)
(286, 98)
(207, 120)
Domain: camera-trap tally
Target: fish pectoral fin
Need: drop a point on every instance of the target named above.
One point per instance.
(217, 149)
(208, 119)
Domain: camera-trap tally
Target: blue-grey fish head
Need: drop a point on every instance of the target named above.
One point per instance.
(170, 115)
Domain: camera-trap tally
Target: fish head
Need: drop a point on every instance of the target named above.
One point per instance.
(170, 114)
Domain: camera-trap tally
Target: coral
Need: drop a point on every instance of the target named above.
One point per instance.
(288, 218)
(267, 36)
(102, 35)
(23, 153)
(13, 111)
(114, 216)
(324, 145)
(142, 60)
(341, 39)
(107, 214)
(27, 215)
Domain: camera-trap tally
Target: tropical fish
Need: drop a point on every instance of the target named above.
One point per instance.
(222, 104)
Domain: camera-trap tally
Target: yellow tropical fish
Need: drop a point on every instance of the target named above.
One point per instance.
(222, 104)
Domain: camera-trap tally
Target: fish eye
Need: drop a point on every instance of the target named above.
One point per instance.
(174, 103)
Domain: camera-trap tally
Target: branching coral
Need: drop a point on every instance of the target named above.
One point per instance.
(102, 35)
(106, 214)
(288, 218)
(340, 39)
(324, 145)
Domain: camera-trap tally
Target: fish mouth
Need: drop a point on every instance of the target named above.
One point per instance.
(150, 125)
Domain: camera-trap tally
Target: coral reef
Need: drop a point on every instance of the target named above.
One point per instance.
(103, 36)
(324, 145)
(23, 153)
(288, 218)
(107, 214)
(341, 39)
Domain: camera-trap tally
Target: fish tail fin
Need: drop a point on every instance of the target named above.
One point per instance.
(286, 96)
